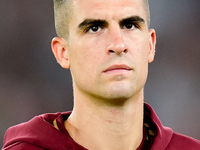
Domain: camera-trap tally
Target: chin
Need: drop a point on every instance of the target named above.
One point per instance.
(120, 93)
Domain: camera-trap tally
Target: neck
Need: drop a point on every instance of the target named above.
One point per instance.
(107, 127)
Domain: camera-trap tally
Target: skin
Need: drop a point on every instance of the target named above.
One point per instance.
(107, 50)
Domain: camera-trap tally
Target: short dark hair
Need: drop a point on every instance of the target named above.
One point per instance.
(146, 3)
(62, 13)
(63, 10)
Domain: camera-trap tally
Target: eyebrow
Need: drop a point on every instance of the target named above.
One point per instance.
(100, 22)
(136, 19)
(90, 22)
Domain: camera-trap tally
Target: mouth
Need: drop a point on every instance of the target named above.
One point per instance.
(118, 69)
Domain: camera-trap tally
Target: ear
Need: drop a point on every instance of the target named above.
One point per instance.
(60, 51)
(152, 45)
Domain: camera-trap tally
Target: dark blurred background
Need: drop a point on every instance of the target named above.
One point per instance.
(31, 82)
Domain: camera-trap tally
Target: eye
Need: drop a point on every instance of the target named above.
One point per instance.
(94, 29)
(129, 26)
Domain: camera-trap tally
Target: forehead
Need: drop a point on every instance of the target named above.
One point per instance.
(108, 9)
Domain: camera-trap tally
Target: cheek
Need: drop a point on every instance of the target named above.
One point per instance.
(92, 49)
(85, 57)
(139, 49)
(140, 55)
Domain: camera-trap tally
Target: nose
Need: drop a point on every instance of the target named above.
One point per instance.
(116, 42)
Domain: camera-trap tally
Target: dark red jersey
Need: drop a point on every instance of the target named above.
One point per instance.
(47, 131)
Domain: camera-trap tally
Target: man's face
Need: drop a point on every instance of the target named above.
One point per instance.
(109, 48)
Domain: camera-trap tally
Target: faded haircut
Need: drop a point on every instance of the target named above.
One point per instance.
(146, 6)
(63, 11)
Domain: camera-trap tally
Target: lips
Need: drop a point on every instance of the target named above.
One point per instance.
(122, 67)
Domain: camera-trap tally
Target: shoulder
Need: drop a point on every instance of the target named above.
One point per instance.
(22, 146)
(38, 132)
(183, 142)
(166, 138)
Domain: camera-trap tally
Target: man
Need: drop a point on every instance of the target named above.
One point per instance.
(107, 46)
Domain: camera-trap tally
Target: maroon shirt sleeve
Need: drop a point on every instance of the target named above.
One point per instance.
(22, 146)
